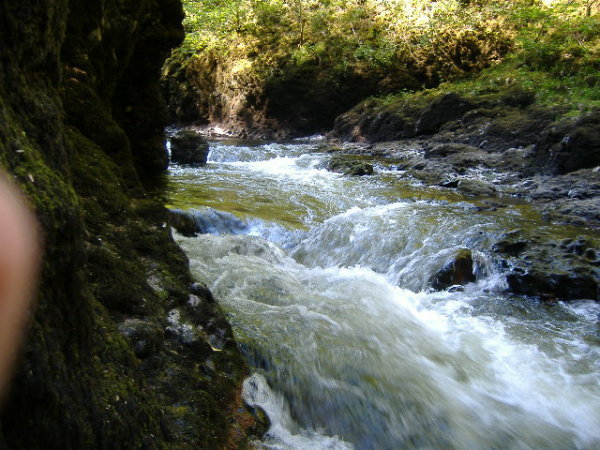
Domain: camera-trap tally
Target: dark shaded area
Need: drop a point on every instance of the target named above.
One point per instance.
(188, 147)
(106, 363)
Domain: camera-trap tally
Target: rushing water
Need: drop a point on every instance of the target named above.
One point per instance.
(325, 280)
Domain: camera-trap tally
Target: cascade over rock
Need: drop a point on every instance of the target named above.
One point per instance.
(458, 271)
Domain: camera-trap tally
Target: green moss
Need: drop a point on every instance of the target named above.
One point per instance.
(108, 254)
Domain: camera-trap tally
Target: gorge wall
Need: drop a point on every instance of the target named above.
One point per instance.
(122, 350)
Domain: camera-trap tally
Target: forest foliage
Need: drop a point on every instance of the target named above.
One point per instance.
(402, 45)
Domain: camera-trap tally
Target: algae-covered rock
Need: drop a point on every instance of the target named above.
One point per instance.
(349, 166)
(543, 268)
(570, 145)
(570, 285)
(146, 337)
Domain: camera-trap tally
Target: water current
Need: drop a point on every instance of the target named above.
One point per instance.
(325, 279)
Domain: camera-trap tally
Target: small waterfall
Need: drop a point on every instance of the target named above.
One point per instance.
(326, 281)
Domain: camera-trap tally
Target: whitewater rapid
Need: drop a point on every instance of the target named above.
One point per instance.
(325, 279)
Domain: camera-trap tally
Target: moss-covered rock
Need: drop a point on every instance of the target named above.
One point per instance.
(348, 166)
(81, 131)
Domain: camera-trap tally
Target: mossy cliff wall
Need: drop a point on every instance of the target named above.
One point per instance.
(119, 353)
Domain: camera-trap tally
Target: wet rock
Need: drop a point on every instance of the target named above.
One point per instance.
(430, 176)
(449, 148)
(212, 221)
(510, 247)
(183, 222)
(570, 145)
(570, 285)
(373, 122)
(576, 247)
(146, 337)
(463, 161)
(329, 148)
(458, 271)
(189, 147)
(444, 109)
(573, 211)
(476, 188)
(541, 267)
(262, 423)
(350, 167)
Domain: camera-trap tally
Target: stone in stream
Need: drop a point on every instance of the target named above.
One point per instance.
(183, 222)
(580, 283)
(458, 271)
(189, 147)
(564, 270)
(349, 167)
(476, 188)
(570, 145)
(262, 423)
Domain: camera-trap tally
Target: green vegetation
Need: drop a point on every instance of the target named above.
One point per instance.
(445, 38)
(259, 55)
(556, 56)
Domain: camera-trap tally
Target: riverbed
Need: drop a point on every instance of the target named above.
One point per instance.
(326, 280)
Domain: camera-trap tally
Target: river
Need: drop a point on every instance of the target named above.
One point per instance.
(324, 278)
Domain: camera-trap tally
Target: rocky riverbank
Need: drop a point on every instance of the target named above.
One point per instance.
(497, 149)
(122, 350)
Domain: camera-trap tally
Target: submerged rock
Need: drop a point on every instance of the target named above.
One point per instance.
(458, 271)
(189, 147)
(510, 247)
(570, 145)
(542, 268)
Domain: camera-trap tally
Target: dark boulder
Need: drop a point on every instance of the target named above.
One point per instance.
(570, 145)
(189, 147)
(200, 290)
(457, 271)
(510, 247)
(262, 423)
(388, 126)
(568, 285)
(564, 270)
(444, 109)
